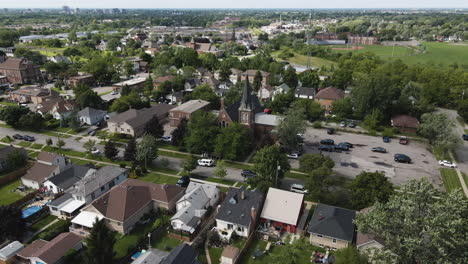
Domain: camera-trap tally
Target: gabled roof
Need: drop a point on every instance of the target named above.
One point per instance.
(330, 93)
(191, 106)
(10, 250)
(305, 91)
(282, 206)
(39, 172)
(13, 63)
(236, 210)
(362, 239)
(333, 222)
(182, 254)
(137, 118)
(90, 112)
(47, 156)
(70, 176)
(97, 179)
(405, 121)
(253, 72)
(152, 256)
(267, 119)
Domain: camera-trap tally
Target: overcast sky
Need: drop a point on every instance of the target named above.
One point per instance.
(235, 3)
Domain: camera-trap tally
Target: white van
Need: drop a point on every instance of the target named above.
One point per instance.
(298, 188)
(206, 162)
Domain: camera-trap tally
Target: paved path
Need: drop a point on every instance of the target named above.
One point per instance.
(39, 231)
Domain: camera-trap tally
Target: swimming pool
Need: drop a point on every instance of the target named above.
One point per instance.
(31, 210)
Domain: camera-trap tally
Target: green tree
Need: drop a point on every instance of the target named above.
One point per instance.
(310, 79)
(310, 162)
(179, 133)
(12, 114)
(110, 150)
(343, 108)
(419, 225)
(12, 225)
(202, 130)
(125, 90)
(99, 244)
(290, 77)
(270, 164)
(49, 142)
(438, 129)
(190, 163)
(257, 82)
(290, 126)
(89, 98)
(462, 109)
(369, 187)
(319, 182)
(128, 69)
(130, 150)
(89, 145)
(60, 143)
(205, 92)
(16, 159)
(154, 127)
(349, 255)
(313, 110)
(31, 121)
(234, 142)
(220, 170)
(147, 150)
(291, 253)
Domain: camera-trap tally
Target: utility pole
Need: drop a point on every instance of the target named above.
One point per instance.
(278, 168)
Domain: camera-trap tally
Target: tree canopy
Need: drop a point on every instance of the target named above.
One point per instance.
(270, 164)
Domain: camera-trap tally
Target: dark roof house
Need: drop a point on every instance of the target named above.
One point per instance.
(182, 254)
(334, 222)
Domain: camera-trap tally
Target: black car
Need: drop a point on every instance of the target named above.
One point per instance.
(248, 174)
(29, 138)
(342, 146)
(327, 142)
(183, 181)
(379, 149)
(329, 148)
(330, 131)
(402, 158)
(352, 125)
(18, 136)
(347, 144)
(465, 136)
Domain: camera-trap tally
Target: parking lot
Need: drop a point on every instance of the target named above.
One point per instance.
(361, 158)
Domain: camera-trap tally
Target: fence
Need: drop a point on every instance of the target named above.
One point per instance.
(246, 247)
(14, 175)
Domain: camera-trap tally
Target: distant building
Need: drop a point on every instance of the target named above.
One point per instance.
(20, 71)
(58, 107)
(33, 94)
(326, 96)
(204, 48)
(185, 110)
(47, 166)
(91, 116)
(250, 74)
(358, 40)
(135, 83)
(86, 79)
(405, 123)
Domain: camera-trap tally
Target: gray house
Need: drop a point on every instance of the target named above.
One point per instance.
(67, 178)
(91, 116)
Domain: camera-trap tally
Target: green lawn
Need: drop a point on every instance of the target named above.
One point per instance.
(238, 165)
(7, 196)
(215, 255)
(296, 175)
(450, 179)
(176, 155)
(65, 151)
(6, 139)
(166, 243)
(43, 221)
(36, 146)
(158, 178)
(440, 154)
(8, 103)
(24, 144)
(379, 50)
(58, 90)
(53, 230)
(302, 60)
(465, 178)
(219, 180)
(123, 243)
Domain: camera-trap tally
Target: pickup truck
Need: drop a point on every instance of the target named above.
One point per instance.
(403, 140)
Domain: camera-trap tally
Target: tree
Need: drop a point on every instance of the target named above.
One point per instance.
(313, 110)
(438, 129)
(202, 130)
(89, 145)
(291, 253)
(125, 90)
(319, 183)
(100, 244)
(462, 109)
(49, 142)
(131, 101)
(16, 159)
(89, 98)
(220, 170)
(419, 225)
(234, 142)
(147, 149)
(369, 187)
(12, 225)
(310, 79)
(190, 163)
(257, 82)
(290, 126)
(31, 121)
(310, 162)
(178, 134)
(110, 150)
(270, 164)
(60, 143)
(205, 92)
(12, 114)
(342, 108)
(290, 77)
(130, 150)
(349, 255)
(154, 128)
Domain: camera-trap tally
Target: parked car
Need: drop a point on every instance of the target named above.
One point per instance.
(348, 144)
(403, 140)
(293, 155)
(343, 124)
(248, 174)
(298, 188)
(183, 181)
(379, 149)
(114, 92)
(92, 133)
(386, 139)
(95, 151)
(327, 142)
(206, 162)
(402, 158)
(352, 125)
(166, 138)
(18, 136)
(329, 148)
(330, 131)
(342, 146)
(446, 163)
(465, 136)
(29, 138)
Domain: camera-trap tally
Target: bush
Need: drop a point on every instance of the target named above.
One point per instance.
(372, 132)
(388, 132)
(317, 124)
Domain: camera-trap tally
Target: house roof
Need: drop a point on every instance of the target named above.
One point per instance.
(35, 91)
(60, 200)
(88, 219)
(47, 156)
(362, 239)
(191, 106)
(249, 101)
(282, 206)
(39, 172)
(305, 91)
(90, 112)
(182, 254)
(209, 189)
(236, 210)
(70, 176)
(230, 252)
(13, 63)
(235, 71)
(137, 118)
(405, 121)
(97, 179)
(10, 250)
(152, 256)
(330, 93)
(162, 79)
(267, 119)
(333, 222)
(51, 252)
(253, 72)
(58, 104)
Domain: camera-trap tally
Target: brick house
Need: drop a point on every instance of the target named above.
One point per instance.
(19, 70)
(86, 79)
(405, 123)
(326, 96)
(33, 94)
(185, 110)
(250, 74)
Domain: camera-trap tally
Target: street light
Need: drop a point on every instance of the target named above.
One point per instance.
(149, 241)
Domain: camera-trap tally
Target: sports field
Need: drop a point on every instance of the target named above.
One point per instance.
(302, 60)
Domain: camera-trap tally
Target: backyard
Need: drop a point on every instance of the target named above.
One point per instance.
(164, 242)
(7, 196)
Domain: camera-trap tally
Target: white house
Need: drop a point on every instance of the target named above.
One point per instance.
(91, 116)
(67, 178)
(47, 166)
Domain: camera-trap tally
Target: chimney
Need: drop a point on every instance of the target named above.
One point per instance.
(243, 195)
(218, 208)
(252, 218)
(222, 103)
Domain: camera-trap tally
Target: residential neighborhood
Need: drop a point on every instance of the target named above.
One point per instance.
(208, 134)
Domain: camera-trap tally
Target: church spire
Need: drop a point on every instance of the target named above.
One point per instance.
(246, 101)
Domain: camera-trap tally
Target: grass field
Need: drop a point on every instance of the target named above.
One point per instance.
(382, 51)
(7, 196)
(302, 60)
(450, 179)
(159, 178)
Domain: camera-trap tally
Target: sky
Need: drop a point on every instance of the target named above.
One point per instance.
(235, 3)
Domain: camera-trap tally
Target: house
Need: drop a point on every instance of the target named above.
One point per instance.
(91, 116)
(94, 184)
(368, 243)
(204, 47)
(235, 75)
(59, 108)
(50, 252)
(86, 79)
(8, 253)
(230, 255)
(326, 96)
(239, 212)
(65, 206)
(125, 204)
(20, 70)
(265, 92)
(33, 94)
(191, 84)
(282, 210)
(281, 89)
(305, 93)
(135, 83)
(162, 79)
(47, 165)
(133, 121)
(331, 226)
(185, 110)
(250, 75)
(59, 59)
(5, 152)
(182, 254)
(66, 178)
(405, 123)
(151, 256)
(210, 81)
(191, 207)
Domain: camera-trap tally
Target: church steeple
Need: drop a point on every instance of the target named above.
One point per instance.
(246, 101)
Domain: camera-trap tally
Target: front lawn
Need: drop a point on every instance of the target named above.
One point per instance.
(450, 179)
(159, 178)
(7, 196)
(24, 144)
(36, 146)
(465, 178)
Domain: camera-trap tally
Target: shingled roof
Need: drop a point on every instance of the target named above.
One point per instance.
(236, 210)
(330, 93)
(333, 222)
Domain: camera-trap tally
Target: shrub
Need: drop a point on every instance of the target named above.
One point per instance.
(317, 124)
(387, 132)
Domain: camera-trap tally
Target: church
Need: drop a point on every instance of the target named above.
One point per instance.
(248, 111)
